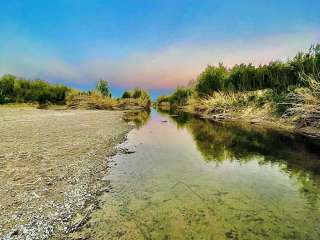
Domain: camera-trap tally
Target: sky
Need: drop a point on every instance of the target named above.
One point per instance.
(154, 44)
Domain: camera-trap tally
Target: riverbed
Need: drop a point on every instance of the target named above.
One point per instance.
(187, 178)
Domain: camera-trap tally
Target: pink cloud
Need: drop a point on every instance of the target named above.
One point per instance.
(164, 68)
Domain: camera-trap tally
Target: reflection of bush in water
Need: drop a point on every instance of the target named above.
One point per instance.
(139, 118)
(293, 154)
(218, 142)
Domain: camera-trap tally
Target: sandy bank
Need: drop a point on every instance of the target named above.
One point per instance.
(52, 165)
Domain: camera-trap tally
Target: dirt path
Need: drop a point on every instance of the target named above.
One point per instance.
(52, 165)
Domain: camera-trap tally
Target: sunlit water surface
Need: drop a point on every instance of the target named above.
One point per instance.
(193, 179)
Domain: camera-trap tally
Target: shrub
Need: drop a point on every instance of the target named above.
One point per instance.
(180, 96)
(137, 93)
(163, 99)
(13, 89)
(212, 79)
(136, 98)
(92, 101)
(126, 94)
(102, 88)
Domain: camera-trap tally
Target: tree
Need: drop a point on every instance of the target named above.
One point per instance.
(212, 79)
(102, 87)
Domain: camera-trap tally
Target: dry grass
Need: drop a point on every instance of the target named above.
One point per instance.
(133, 103)
(251, 106)
(299, 109)
(303, 104)
(19, 106)
(98, 102)
(229, 102)
(93, 101)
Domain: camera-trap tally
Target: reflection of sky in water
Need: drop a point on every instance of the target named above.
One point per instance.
(210, 181)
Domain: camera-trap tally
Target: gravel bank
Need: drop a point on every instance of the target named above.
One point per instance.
(52, 165)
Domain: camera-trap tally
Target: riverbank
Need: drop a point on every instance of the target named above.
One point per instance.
(296, 111)
(52, 165)
(255, 118)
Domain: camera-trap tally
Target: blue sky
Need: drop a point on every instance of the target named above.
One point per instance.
(153, 44)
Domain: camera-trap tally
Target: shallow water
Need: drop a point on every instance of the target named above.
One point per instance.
(193, 179)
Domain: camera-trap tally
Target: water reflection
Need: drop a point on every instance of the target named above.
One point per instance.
(139, 118)
(194, 179)
(297, 156)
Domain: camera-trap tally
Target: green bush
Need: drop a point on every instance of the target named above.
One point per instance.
(137, 96)
(126, 94)
(13, 89)
(211, 79)
(162, 99)
(276, 75)
(180, 96)
(137, 93)
(102, 88)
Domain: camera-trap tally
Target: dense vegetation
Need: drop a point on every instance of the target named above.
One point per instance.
(287, 89)
(275, 75)
(101, 98)
(19, 90)
(136, 97)
(13, 89)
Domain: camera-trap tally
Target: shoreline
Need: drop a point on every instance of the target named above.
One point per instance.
(52, 202)
(258, 121)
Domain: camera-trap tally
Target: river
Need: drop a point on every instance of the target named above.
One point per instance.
(188, 178)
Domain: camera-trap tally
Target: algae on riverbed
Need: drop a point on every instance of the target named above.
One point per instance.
(50, 166)
(191, 181)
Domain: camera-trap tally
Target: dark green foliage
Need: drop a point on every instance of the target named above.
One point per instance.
(276, 75)
(126, 94)
(162, 99)
(212, 79)
(138, 97)
(13, 89)
(180, 96)
(137, 93)
(102, 87)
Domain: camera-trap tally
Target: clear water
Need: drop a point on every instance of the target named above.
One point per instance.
(194, 179)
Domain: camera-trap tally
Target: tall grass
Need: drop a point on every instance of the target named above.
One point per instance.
(92, 101)
(233, 102)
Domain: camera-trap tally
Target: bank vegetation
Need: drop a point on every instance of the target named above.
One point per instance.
(15, 90)
(284, 93)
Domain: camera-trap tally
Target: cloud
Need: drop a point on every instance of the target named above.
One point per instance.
(180, 63)
(163, 68)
